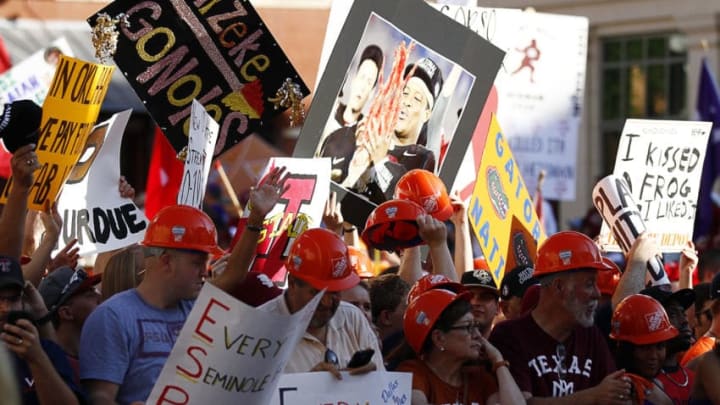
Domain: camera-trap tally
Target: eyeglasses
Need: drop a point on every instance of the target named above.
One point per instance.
(331, 357)
(560, 354)
(11, 299)
(469, 328)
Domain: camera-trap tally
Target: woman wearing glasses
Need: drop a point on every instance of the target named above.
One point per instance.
(440, 328)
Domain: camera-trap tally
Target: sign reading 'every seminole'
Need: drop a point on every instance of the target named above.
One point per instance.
(219, 53)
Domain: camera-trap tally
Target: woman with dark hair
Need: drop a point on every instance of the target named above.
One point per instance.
(641, 328)
(440, 328)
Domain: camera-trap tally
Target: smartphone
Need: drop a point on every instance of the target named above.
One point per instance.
(361, 358)
(14, 316)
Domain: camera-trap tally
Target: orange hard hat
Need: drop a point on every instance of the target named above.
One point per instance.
(360, 262)
(422, 313)
(392, 225)
(320, 258)
(432, 281)
(426, 189)
(568, 250)
(479, 263)
(641, 320)
(182, 227)
(607, 281)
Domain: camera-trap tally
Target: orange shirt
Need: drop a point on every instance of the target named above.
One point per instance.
(703, 345)
(479, 384)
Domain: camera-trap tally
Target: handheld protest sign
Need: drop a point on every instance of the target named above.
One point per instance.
(228, 352)
(69, 113)
(31, 78)
(661, 162)
(220, 53)
(91, 207)
(299, 208)
(382, 60)
(616, 205)
(324, 388)
(198, 156)
(540, 87)
(499, 197)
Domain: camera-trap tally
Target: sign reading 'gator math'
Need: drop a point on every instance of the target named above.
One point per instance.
(218, 52)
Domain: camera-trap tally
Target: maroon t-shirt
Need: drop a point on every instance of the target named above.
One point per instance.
(545, 367)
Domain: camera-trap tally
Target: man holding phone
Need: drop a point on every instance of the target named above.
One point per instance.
(43, 372)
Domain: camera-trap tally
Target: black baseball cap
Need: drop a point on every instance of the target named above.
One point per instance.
(715, 287)
(516, 282)
(429, 72)
(663, 294)
(63, 283)
(11, 273)
(479, 278)
(20, 124)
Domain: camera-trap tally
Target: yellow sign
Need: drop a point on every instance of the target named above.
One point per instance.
(69, 112)
(501, 212)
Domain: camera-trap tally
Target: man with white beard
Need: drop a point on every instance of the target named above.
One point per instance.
(556, 354)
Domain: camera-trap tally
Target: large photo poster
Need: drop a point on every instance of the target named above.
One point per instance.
(400, 92)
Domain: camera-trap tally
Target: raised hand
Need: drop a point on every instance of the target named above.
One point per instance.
(332, 217)
(264, 197)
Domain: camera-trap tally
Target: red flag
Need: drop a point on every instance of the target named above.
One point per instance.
(5, 64)
(164, 176)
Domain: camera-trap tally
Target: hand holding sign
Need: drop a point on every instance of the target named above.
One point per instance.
(24, 163)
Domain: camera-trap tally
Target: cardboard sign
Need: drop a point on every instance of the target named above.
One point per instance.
(419, 82)
(69, 114)
(228, 352)
(90, 204)
(615, 203)
(220, 53)
(322, 388)
(30, 79)
(499, 198)
(662, 162)
(540, 88)
(299, 208)
(201, 143)
(245, 162)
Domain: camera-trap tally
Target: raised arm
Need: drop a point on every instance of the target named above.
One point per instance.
(262, 200)
(24, 162)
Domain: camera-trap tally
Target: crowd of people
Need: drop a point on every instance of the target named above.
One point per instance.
(574, 328)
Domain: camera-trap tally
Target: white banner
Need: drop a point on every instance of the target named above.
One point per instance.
(229, 352)
(540, 89)
(617, 207)
(30, 79)
(661, 162)
(90, 203)
(322, 388)
(201, 144)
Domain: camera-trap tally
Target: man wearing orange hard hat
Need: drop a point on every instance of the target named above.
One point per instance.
(556, 354)
(318, 263)
(126, 340)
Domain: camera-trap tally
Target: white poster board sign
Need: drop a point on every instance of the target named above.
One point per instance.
(229, 352)
(540, 89)
(661, 162)
(201, 144)
(90, 204)
(374, 388)
(300, 207)
(30, 79)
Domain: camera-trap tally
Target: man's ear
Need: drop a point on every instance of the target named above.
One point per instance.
(65, 314)
(438, 338)
(384, 318)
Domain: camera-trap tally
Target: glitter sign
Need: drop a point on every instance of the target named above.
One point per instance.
(220, 53)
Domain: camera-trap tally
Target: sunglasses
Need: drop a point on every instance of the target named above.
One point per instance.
(331, 357)
(469, 328)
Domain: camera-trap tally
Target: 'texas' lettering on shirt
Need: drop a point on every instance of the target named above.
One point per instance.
(561, 370)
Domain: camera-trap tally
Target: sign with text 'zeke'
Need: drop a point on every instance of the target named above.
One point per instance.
(661, 162)
(70, 110)
(501, 211)
(218, 52)
(229, 352)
